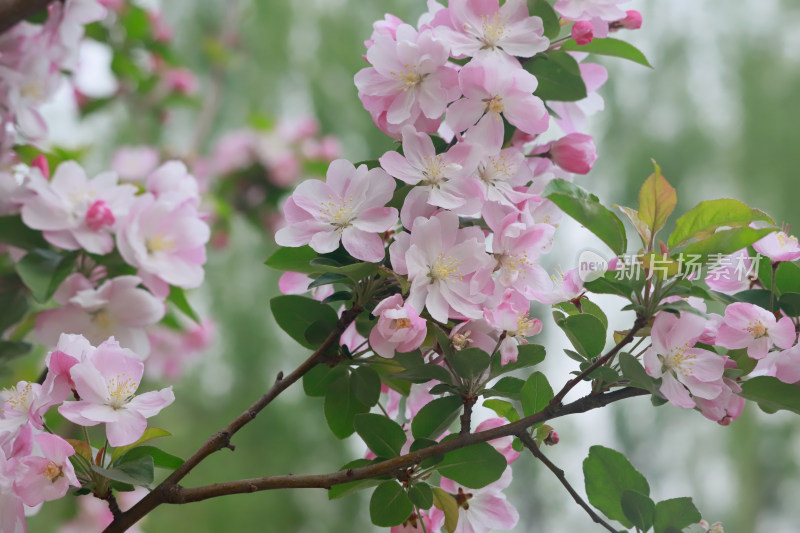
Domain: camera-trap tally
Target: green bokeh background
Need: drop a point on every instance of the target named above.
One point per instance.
(718, 113)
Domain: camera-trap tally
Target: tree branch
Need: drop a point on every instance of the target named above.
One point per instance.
(14, 11)
(221, 439)
(529, 443)
(558, 398)
(176, 494)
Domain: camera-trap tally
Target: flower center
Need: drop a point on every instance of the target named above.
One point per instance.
(409, 78)
(103, 320)
(498, 168)
(339, 214)
(120, 391)
(160, 243)
(461, 340)
(786, 241)
(52, 472)
(757, 329)
(678, 360)
(494, 104)
(400, 323)
(524, 325)
(445, 267)
(434, 170)
(493, 29)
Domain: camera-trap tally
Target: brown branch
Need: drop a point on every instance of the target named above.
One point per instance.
(529, 443)
(222, 439)
(466, 418)
(14, 11)
(558, 398)
(177, 494)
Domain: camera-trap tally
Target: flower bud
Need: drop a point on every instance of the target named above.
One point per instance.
(40, 162)
(632, 20)
(551, 439)
(583, 32)
(574, 153)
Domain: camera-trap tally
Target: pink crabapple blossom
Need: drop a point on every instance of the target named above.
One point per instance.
(481, 28)
(606, 10)
(778, 246)
(75, 212)
(118, 308)
(749, 326)
(512, 317)
(481, 510)
(449, 270)
(348, 207)
(674, 358)
(504, 445)
(399, 327)
(47, 477)
(575, 152)
(582, 32)
(106, 382)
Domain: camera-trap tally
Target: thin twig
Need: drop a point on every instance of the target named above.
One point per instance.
(529, 443)
(222, 439)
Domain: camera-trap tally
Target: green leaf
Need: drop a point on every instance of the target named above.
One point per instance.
(473, 466)
(470, 363)
(445, 501)
(527, 355)
(608, 474)
(381, 435)
(725, 242)
(148, 435)
(608, 284)
(354, 271)
(639, 509)
(559, 77)
(543, 10)
(13, 301)
(366, 385)
(138, 471)
(178, 298)
(703, 219)
(657, 199)
(587, 210)
(633, 370)
(759, 297)
(338, 491)
(294, 314)
(676, 513)
(536, 394)
(136, 23)
(640, 226)
(13, 231)
(389, 505)
(508, 387)
(772, 394)
(789, 303)
(787, 277)
(327, 278)
(293, 260)
(424, 374)
(590, 308)
(421, 495)
(609, 47)
(503, 409)
(42, 271)
(341, 407)
(585, 332)
(317, 380)
(435, 417)
(12, 349)
(161, 459)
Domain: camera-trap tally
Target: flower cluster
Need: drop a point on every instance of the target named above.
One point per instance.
(90, 385)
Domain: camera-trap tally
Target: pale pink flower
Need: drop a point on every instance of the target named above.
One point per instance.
(69, 351)
(172, 182)
(503, 176)
(504, 445)
(632, 20)
(75, 212)
(575, 152)
(181, 81)
(297, 283)
(348, 207)
(399, 327)
(674, 358)
(492, 89)
(483, 28)
(571, 116)
(481, 510)
(117, 308)
(565, 287)
(733, 274)
(749, 326)
(94, 515)
(47, 477)
(517, 245)
(166, 242)
(28, 84)
(449, 270)
(607, 10)
(174, 351)
(441, 179)
(26, 404)
(12, 510)
(410, 76)
(512, 316)
(474, 334)
(724, 408)
(134, 163)
(106, 382)
(778, 246)
(414, 524)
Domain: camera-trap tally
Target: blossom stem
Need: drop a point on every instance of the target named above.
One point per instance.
(529, 443)
(421, 521)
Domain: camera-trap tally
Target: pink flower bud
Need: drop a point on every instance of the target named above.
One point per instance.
(99, 215)
(632, 20)
(583, 32)
(574, 153)
(40, 162)
(551, 439)
(399, 327)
